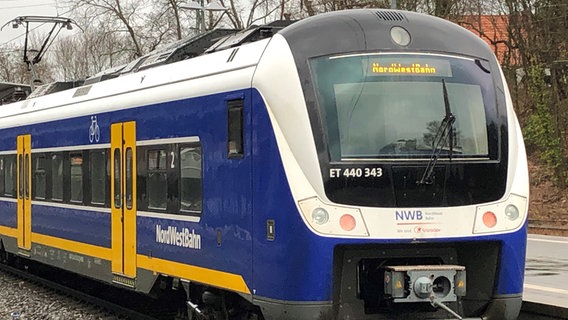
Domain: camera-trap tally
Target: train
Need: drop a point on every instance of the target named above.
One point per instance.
(358, 164)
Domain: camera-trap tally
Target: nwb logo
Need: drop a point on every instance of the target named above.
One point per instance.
(408, 215)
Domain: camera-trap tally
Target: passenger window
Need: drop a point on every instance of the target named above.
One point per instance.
(26, 176)
(57, 176)
(235, 143)
(98, 162)
(2, 175)
(157, 179)
(141, 178)
(129, 169)
(76, 176)
(191, 180)
(21, 176)
(39, 176)
(117, 179)
(10, 176)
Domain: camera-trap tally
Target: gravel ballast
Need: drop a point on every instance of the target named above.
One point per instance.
(20, 299)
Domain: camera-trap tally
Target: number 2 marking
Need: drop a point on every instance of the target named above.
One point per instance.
(173, 159)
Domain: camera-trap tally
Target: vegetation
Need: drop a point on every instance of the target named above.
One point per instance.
(540, 131)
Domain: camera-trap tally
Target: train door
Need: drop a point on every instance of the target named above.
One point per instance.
(23, 186)
(123, 201)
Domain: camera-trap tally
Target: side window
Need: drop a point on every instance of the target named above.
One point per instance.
(26, 176)
(141, 177)
(98, 171)
(20, 167)
(117, 178)
(10, 176)
(235, 130)
(129, 178)
(157, 179)
(191, 195)
(76, 163)
(57, 176)
(39, 178)
(2, 175)
(170, 178)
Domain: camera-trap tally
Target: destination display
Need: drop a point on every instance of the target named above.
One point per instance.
(413, 66)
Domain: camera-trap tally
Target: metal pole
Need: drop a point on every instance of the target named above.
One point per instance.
(202, 13)
(393, 4)
(198, 20)
(203, 25)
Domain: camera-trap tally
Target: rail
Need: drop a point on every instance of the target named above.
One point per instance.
(557, 227)
(538, 311)
(113, 308)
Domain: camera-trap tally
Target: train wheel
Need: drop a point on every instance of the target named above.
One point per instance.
(3, 253)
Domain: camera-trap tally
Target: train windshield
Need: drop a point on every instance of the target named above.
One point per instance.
(392, 105)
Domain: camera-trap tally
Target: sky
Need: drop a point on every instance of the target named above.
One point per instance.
(10, 9)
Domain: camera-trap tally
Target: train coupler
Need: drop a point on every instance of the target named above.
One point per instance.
(425, 283)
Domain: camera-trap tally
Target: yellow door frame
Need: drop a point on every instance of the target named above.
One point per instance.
(24, 193)
(123, 198)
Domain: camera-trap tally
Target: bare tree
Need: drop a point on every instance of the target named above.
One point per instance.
(12, 66)
(537, 29)
(242, 14)
(88, 53)
(118, 15)
(14, 69)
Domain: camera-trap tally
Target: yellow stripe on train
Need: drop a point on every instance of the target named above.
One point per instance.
(72, 246)
(212, 277)
(7, 231)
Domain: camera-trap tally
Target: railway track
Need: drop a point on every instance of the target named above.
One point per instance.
(111, 310)
(537, 311)
(547, 227)
(115, 303)
(142, 308)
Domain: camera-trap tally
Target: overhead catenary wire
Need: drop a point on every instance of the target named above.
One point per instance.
(29, 6)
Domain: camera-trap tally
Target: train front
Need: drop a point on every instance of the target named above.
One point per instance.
(412, 195)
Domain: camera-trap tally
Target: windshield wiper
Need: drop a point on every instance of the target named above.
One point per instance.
(444, 131)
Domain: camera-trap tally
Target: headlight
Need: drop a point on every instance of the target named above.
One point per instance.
(512, 212)
(327, 219)
(502, 216)
(320, 216)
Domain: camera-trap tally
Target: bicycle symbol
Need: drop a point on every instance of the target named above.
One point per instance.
(94, 130)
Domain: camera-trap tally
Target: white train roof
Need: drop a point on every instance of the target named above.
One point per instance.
(225, 70)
